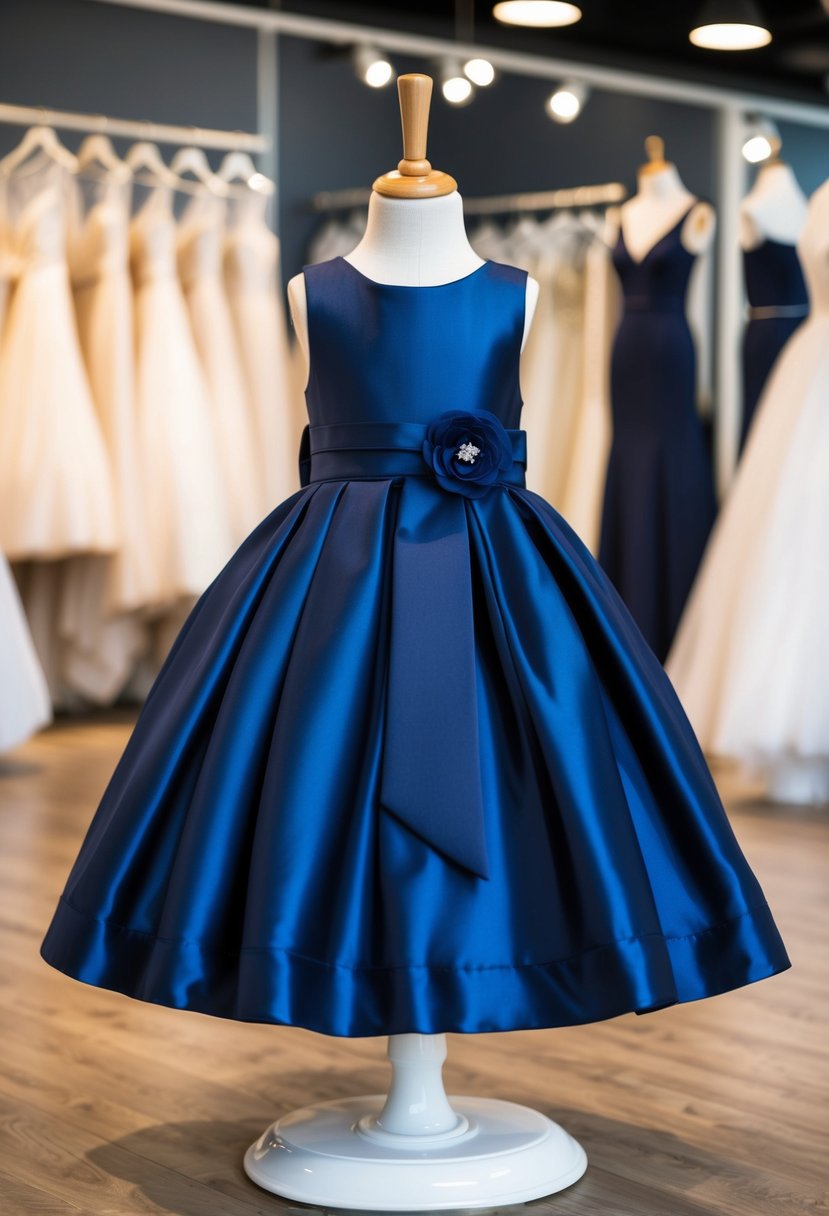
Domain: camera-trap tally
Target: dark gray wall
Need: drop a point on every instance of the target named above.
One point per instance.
(334, 132)
(78, 55)
(503, 141)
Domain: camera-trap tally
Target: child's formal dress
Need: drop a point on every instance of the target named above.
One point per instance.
(410, 766)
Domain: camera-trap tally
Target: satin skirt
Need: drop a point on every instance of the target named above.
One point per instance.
(242, 864)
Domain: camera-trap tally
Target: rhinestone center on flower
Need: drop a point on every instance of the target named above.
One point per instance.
(468, 452)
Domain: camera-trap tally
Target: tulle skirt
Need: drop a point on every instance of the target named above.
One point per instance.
(751, 660)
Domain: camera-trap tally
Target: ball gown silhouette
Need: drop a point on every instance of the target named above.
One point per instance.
(410, 766)
(659, 498)
(750, 660)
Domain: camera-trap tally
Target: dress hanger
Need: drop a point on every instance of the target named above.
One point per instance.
(97, 153)
(238, 167)
(38, 140)
(193, 160)
(145, 157)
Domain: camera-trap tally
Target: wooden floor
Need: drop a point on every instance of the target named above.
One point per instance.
(110, 1106)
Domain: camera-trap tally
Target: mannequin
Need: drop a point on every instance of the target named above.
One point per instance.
(410, 242)
(414, 1150)
(774, 208)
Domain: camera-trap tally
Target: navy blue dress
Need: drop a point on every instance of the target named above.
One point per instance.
(409, 766)
(778, 303)
(659, 501)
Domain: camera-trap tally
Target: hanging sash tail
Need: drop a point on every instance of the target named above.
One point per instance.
(431, 766)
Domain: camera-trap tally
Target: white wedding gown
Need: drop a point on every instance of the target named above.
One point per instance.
(751, 661)
(56, 494)
(200, 250)
(102, 598)
(24, 698)
(254, 292)
(186, 509)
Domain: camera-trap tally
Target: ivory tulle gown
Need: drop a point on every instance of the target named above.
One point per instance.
(187, 513)
(409, 766)
(24, 697)
(103, 598)
(750, 661)
(56, 493)
(254, 291)
(200, 249)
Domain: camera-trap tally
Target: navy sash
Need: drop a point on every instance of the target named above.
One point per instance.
(431, 772)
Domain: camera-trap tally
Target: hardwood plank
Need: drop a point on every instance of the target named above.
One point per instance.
(108, 1105)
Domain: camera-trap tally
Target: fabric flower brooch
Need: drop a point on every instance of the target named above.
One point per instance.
(467, 452)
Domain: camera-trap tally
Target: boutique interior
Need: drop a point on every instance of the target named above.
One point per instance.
(598, 278)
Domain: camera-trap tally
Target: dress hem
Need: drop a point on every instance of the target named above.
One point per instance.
(633, 975)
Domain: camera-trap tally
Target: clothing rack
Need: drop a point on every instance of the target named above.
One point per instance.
(543, 200)
(126, 128)
(548, 200)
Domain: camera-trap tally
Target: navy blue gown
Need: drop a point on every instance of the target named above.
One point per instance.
(409, 766)
(778, 302)
(659, 503)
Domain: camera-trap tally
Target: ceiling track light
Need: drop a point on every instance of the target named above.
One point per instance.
(762, 140)
(479, 71)
(730, 25)
(455, 86)
(371, 66)
(567, 102)
(536, 14)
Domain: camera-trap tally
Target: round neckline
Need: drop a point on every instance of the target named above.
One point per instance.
(417, 286)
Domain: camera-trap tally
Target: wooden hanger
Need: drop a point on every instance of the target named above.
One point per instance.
(39, 140)
(414, 177)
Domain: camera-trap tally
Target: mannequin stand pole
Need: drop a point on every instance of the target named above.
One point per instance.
(414, 1149)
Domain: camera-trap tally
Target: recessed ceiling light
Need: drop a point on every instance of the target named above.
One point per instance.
(538, 14)
(730, 25)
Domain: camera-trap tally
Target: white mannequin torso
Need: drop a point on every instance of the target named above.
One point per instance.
(775, 207)
(409, 243)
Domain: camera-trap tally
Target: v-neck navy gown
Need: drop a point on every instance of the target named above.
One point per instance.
(410, 767)
(659, 503)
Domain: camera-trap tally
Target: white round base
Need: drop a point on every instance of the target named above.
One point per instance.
(328, 1155)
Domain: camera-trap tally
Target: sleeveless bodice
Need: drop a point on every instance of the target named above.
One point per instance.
(384, 353)
(40, 235)
(153, 241)
(199, 249)
(102, 246)
(251, 255)
(660, 278)
(773, 275)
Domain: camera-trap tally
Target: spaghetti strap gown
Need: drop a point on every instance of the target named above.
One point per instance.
(659, 503)
(410, 766)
